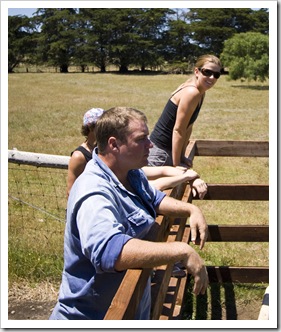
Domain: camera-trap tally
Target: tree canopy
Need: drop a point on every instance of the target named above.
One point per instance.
(21, 41)
(140, 37)
(246, 55)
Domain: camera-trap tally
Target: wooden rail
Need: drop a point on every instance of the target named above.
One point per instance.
(167, 291)
(232, 148)
(240, 192)
(238, 233)
(37, 159)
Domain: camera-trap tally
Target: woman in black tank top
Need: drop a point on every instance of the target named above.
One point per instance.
(173, 129)
(83, 153)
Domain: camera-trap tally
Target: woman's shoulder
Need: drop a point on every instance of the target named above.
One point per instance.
(81, 152)
(189, 86)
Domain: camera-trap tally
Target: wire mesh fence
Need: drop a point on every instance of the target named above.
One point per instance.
(36, 211)
(37, 193)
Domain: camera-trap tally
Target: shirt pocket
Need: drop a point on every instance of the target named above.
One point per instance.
(139, 223)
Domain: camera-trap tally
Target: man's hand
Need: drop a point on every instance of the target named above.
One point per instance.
(175, 208)
(195, 266)
(198, 222)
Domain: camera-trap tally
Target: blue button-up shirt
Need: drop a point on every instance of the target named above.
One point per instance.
(101, 217)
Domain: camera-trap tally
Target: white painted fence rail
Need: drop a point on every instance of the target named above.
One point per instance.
(264, 311)
(38, 159)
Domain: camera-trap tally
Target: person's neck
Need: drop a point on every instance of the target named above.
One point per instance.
(123, 178)
(90, 145)
(112, 163)
(121, 175)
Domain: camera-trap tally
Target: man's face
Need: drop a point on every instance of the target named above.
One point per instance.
(135, 151)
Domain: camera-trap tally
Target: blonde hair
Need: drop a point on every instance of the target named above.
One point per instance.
(207, 58)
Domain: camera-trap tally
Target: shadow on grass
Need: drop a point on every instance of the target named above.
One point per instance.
(252, 87)
(134, 73)
(212, 305)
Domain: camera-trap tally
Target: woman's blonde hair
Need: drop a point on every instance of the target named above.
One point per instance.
(207, 58)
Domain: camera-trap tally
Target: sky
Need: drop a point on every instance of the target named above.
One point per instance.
(21, 11)
(30, 11)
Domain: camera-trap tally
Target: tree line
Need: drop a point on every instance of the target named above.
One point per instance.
(142, 38)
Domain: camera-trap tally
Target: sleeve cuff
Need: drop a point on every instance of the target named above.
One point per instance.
(112, 251)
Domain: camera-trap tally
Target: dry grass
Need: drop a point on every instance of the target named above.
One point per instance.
(43, 291)
(47, 109)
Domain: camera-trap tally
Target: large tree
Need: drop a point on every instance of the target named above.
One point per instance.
(247, 56)
(96, 25)
(260, 21)
(179, 48)
(20, 41)
(124, 36)
(137, 36)
(151, 25)
(56, 40)
(210, 27)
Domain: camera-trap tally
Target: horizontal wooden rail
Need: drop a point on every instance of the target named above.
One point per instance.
(232, 148)
(239, 192)
(241, 274)
(238, 233)
(38, 159)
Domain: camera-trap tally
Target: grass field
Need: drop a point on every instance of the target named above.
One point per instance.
(47, 109)
(45, 116)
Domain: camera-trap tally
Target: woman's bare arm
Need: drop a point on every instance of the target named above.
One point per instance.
(172, 181)
(76, 166)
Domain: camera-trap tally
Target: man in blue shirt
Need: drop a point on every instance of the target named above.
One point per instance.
(110, 210)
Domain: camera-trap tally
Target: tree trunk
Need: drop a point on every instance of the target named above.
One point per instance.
(103, 68)
(123, 69)
(64, 68)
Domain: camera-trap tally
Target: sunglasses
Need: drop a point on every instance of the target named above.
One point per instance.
(209, 73)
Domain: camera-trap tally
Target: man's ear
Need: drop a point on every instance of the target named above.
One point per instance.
(112, 142)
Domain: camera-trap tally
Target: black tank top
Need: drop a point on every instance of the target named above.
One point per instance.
(87, 154)
(163, 130)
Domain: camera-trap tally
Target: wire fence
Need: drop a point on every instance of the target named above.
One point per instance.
(37, 213)
(36, 193)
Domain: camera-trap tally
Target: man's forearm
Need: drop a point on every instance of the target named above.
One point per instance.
(174, 207)
(145, 254)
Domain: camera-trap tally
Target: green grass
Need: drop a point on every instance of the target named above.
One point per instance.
(45, 116)
(37, 201)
